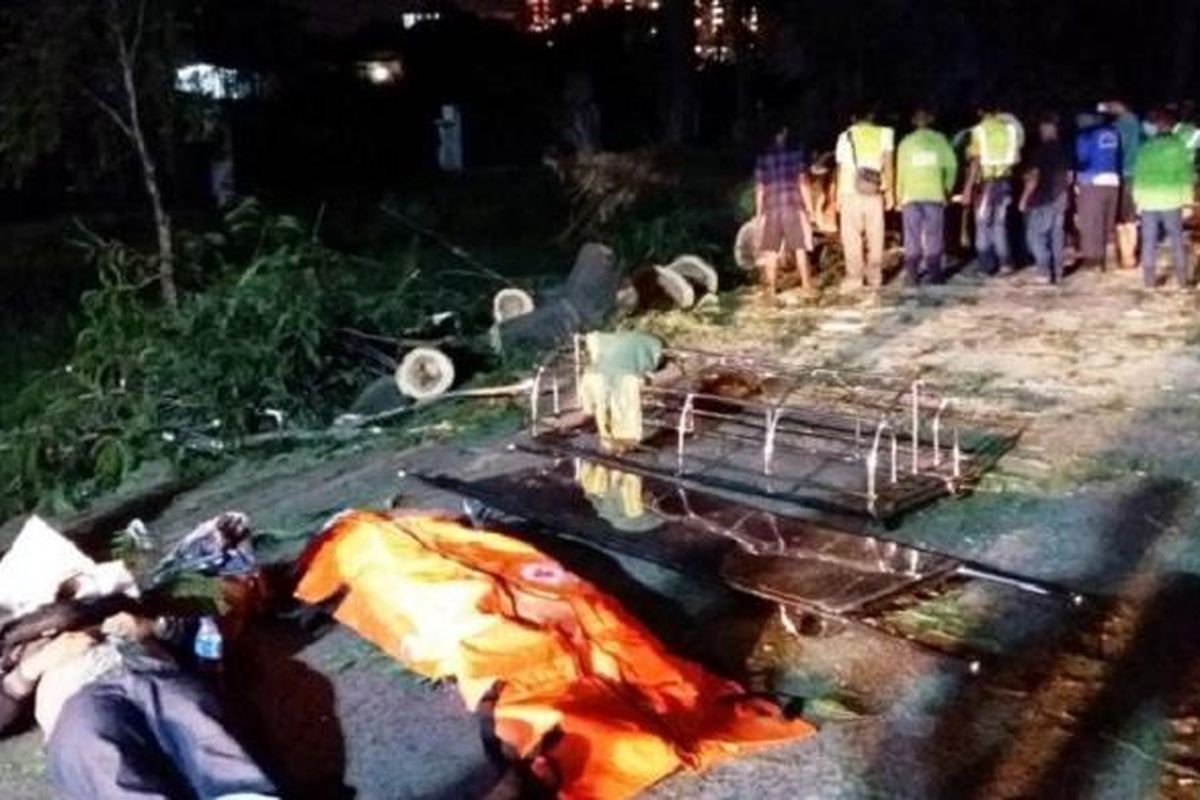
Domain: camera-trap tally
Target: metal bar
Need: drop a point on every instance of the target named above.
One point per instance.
(865, 382)
(916, 425)
(895, 449)
(757, 443)
(743, 421)
(872, 461)
(824, 448)
(578, 364)
(957, 455)
(685, 419)
(1031, 585)
(937, 424)
(913, 496)
(816, 430)
(814, 417)
(535, 393)
(769, 441)
(755, 404)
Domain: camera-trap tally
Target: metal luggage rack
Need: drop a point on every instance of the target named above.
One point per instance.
(839, 442)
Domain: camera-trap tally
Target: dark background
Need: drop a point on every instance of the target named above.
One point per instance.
(314, 125)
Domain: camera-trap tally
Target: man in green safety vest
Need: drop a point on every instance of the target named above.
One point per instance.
(993, 153)
(864, 191)
(926, 169)
(1163, 186)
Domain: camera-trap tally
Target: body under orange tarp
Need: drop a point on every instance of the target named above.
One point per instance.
(486, 609)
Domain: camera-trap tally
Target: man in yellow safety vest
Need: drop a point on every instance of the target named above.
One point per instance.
(994, 151)
(865, 188)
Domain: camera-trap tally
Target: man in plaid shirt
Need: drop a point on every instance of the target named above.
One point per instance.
(781, 203)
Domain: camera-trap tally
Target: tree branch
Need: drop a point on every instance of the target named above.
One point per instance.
(117, 28)
(112, 113)
(136, 44)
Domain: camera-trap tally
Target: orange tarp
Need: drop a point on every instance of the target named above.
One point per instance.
(488, 610)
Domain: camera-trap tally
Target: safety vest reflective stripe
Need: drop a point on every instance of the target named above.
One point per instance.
(927, 157)
(1189, 134)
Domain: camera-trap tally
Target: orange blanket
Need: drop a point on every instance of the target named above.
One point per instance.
(488, 610)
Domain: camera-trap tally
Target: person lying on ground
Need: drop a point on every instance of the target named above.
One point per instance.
(120, 717)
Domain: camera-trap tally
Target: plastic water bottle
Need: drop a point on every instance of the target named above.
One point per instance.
(208, 646)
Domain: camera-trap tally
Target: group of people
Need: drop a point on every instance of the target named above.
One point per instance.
(1120, 171)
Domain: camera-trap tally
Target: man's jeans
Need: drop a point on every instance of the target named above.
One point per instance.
(862, 217)
(991, 225)
(148, 735)
(1170, 223)
(924, 226)
(1046, 237)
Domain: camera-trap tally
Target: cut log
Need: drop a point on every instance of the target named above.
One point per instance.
(661, 289)
(425, 372)
(511, 303)
(697, 271)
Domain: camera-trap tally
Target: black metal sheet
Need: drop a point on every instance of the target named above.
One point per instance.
(700, 534)
(812, 480)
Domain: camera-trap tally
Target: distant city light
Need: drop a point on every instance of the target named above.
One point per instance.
(207, 80)
(383, 71)
(714, 35)
(411, 19)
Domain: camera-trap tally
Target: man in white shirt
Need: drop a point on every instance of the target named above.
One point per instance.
(865, 189)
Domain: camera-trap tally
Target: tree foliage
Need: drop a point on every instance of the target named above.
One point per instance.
(259, 339)
(56, 61)
(83, 81)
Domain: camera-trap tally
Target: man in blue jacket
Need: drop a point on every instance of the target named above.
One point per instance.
(1098, 165)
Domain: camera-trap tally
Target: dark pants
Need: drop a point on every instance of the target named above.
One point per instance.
(991, 225)
(1097, 219)
(924, 240)
(1169, 223)
(1046, 236)
(148, 735)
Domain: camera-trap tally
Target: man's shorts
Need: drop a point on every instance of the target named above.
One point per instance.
(1126, 212)
(782, 227)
